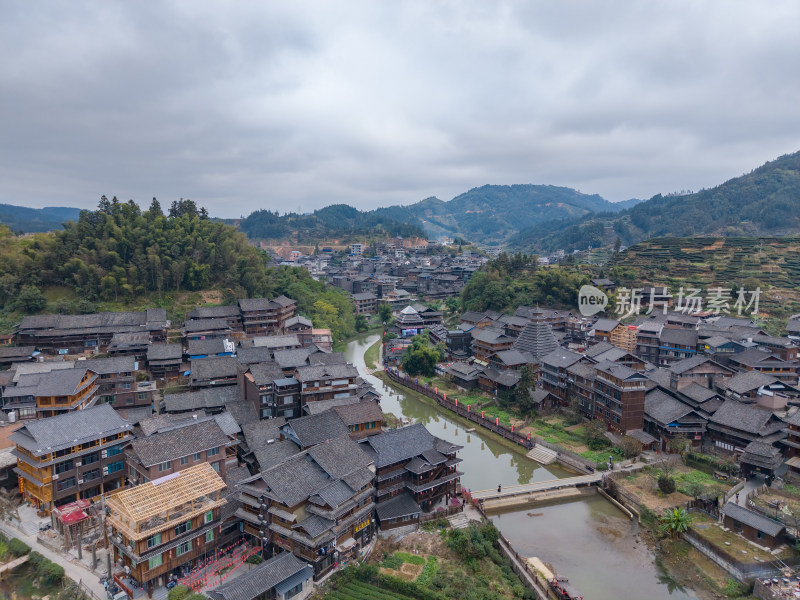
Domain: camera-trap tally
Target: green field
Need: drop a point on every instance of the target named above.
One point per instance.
(358, 590)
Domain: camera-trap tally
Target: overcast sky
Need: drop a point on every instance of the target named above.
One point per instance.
(297, 105)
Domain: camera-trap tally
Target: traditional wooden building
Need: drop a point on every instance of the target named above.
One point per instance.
(71, 456)
(63, 334)
(619, 394)
(414, 465)
(317, 505)
(754, 526)
(325, 382)
(164, 360)
(266, 317)
(165, 524)
(281, 577)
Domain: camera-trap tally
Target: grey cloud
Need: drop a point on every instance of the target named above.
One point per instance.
(296, 105)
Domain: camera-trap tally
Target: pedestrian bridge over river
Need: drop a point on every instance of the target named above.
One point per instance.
(536, 487)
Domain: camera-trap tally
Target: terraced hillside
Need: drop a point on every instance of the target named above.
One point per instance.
(773, 263)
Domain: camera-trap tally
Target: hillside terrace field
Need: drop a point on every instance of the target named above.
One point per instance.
(703, 262)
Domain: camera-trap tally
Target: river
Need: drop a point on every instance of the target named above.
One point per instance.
(588, 539)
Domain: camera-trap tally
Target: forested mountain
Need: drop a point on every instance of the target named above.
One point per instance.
(764, 202)
(122, 254)
(494, 213)
(335, 221)
(32, 220)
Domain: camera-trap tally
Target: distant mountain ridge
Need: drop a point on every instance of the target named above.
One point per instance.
(33, 220)
(495, 213)
(764, 202)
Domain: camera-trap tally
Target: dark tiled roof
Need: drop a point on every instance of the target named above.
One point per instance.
(311, 373)
(298, 320)
(744, 417)
(265, 373)
(214, 312)
(561, 358)
(70, 429)
(114, 364)
(605, 325)
(513, 357)
(64, 382)
(315, 525)
(212, 368)
(367, 411)
(210, 398)
(164, 352)
(276, 341)
(259, 432)
(682, 337)
(741, 383)
(753, 519)
(295, 479)
(402, 505)
(321, 406)
(243, 411)
(270, 455)
(247, 355)
(692, 362)
(206, 325)
(400, 444)
(292, 358)
(209, 347)
(663, 408)
(261, 579)
(315, 429)
(340, 456)
(7, 352)
(180, 441)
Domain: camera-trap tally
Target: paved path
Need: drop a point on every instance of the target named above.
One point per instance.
(538, 486)
(13, 564)
(77, 572)
(749, 486)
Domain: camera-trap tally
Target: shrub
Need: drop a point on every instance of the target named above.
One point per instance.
(18, 548)
(179, 592)
(255, 559)
(666, 484)
(49, 573)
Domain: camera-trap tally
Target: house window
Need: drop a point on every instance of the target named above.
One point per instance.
(294, 591)
(184, 548)
(760, 535)
(141, 396)
(65, 466)
(128, 400)
(183, 528)
(165, 466)
(196, 456)
(288, 400)
(153, 541)
(114, 450)
(65, 483)
(115, 466)
(154, 562)
(91, 458)
(184, 460)
(93, 474)
(213, 451)
(209, 536)
(209, 516)
(215, 466)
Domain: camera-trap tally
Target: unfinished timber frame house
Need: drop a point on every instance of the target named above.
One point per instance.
(166, 524)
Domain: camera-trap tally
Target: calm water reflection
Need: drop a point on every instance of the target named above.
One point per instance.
(587, 539)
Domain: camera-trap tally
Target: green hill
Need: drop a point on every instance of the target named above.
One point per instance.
(764, 202)
(120, 257)
(335, 221)
(32, 220)
(495, 213)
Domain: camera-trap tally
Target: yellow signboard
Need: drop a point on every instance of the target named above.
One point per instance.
(361, 526)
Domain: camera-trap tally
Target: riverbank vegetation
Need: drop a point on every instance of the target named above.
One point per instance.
(439, 565)
(37, 577)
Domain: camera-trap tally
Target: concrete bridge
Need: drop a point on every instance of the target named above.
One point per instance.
(537, 487)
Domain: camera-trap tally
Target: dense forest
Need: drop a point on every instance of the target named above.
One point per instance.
(510, 281)
(760, 203)
(335, 221)
(122, 254)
